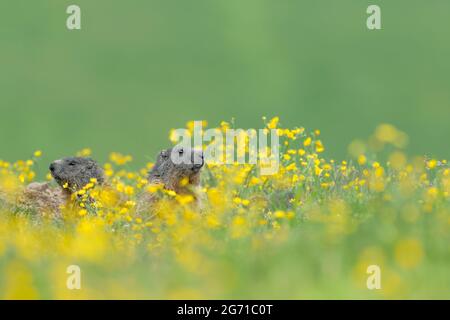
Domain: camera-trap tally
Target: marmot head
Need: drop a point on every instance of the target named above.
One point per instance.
(176, 164)
(76, 172)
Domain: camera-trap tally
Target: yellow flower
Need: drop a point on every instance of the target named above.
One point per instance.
(212, 221)
(273, 123)
(129, 190)
(254, 181)
(362, 159)
(433, 192)
(37, 153)
(279, 214)
(154, 188)
(317, 170)
(379, 172)
(120, 159)
(319, 146)
(130, 204)
(397, 160)
(291, 167)
(171, 193)
(184, 182)
(307, 142)
(238, 221)
(431, 164)
(386, 133)
(90, 185)
(185, 199)
(86, 152)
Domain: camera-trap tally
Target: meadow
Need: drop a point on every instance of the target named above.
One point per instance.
(309, 231)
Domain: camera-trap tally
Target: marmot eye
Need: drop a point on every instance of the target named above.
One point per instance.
(72, 163)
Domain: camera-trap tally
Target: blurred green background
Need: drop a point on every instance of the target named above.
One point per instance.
(139, 68)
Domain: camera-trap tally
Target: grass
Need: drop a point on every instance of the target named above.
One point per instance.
(309, 231)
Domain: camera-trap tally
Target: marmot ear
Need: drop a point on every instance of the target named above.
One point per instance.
(164, 153)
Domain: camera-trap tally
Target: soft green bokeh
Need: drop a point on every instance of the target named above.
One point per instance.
(139, 68)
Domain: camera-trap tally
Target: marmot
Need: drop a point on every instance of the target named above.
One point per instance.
(75, 172)
(71, 174)
(176, 169)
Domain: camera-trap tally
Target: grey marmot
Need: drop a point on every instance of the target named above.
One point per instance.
(71, 174)
(177, 169)
(75, 172)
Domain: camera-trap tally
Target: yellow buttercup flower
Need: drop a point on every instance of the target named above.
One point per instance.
(273, 123)
(307, 142)
(431, 164)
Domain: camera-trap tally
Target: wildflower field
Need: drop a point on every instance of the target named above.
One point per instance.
(309, 231)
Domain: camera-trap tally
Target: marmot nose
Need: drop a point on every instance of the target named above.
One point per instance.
(197, 158)
(198, 165)
(52, 167)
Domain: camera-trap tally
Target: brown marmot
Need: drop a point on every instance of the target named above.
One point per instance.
(71, 174)
(176, 169)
